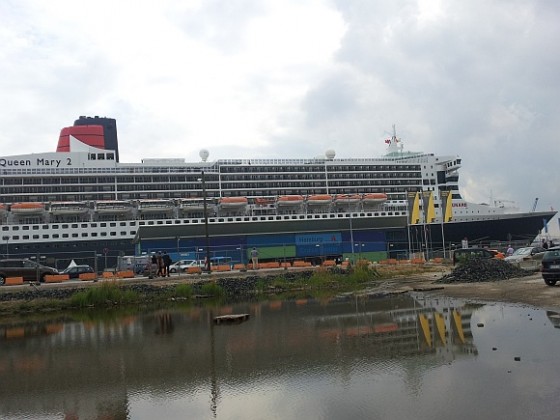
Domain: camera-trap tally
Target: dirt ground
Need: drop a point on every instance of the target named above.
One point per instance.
(530, 290)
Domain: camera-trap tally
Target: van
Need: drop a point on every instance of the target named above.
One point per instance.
(23, 267)
(463, 254)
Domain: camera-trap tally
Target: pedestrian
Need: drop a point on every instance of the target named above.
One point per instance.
(153, 266)
(255, 258)
(544, 244)
(166, 263)
(160, 266)
(509, 251)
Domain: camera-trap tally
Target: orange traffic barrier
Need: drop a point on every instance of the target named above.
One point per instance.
(194, 270)
(108, 275)
(13, 281)
(56, 278)
(125, 274)
(329, 263)
(239, 267)
(87, 276)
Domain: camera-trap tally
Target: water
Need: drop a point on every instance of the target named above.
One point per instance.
(404, 357)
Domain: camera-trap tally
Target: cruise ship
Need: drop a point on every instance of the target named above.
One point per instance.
(80, 199)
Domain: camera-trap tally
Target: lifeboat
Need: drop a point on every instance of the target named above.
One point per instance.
(113, 206)
(27, 208)
(374, 198)
(3, 208)
(187, 205)
(263, 201)
(319, 199)
(68, 207)
(232, 202)
(347, 198)
(155, 205)
(289, 200)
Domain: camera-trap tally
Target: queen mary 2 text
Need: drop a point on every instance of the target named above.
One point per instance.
(8, 163)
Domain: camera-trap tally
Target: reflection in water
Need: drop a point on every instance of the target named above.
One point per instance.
(344, 357)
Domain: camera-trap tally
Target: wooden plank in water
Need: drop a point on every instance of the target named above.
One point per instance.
(231, 319)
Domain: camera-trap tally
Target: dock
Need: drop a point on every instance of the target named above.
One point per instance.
(231, 319)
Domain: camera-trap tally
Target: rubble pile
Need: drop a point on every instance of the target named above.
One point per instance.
(476, 270)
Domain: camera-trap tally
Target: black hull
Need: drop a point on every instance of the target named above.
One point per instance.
(521, 227)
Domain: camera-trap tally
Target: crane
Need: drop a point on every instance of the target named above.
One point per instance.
(535, 205)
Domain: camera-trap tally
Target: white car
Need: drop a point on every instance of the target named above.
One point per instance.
(528, 257)
(182, 265)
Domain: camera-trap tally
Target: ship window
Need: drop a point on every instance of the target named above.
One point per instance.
(112, 224)
(45, 236)
(74, 225)
(94, 234)
(25, 237)
(56, 236)
(110, 156)
(113, 233)
(123, 233)
(65, 235)
(122, 224)
(101, 156)
(64, 226)
(25, 228)
(35, 227)
(84, 235)
(91, 156)
(35, 236)
(15, 237)
(84, 225)
(103, 233)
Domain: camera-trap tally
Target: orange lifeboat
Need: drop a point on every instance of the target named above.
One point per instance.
(347, 198)
(3, 208)
(233, 202)
(374, 198)
(319, 199)
(289, 200)
(263, 201)
(27, 208)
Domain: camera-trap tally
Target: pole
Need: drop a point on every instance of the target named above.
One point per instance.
(207, 236)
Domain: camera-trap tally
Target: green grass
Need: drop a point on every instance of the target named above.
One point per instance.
(212, 289)
(104, 295)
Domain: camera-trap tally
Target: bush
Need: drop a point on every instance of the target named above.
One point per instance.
(211, 289)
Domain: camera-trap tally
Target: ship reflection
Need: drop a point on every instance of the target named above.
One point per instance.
(85, 368)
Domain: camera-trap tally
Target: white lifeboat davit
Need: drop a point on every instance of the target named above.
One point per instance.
(233, 202)
(68, 207)
(113, 206)
(155, 205)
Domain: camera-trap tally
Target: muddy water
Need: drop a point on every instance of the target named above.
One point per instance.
(404, 357)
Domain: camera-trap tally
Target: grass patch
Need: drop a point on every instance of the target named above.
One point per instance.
(183, 291)
(106, 294)
(212, 289)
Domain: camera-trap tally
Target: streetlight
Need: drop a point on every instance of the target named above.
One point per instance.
(207, 237)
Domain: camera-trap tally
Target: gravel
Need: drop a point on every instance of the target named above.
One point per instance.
(476, 270)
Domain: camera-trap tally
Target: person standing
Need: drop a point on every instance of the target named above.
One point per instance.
(166, 263)
(160, 266)
(255, 258)
(509, 251)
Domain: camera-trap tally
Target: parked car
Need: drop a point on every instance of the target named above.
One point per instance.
(528, 257)
(183, 265)
(75, 271)
(550, 266)
(463, 254)
(23, 267)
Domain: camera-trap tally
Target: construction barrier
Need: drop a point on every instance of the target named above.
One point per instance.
(239, 267)
(56, 278)
(221, 267)
(329, 263)
(108, 275)
(194, 270)
(13, 281)
(127, 274)
(87, 276)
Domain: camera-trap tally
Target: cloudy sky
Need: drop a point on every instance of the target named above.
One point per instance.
(293, 78)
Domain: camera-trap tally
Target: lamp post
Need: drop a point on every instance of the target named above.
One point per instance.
(206, 235)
